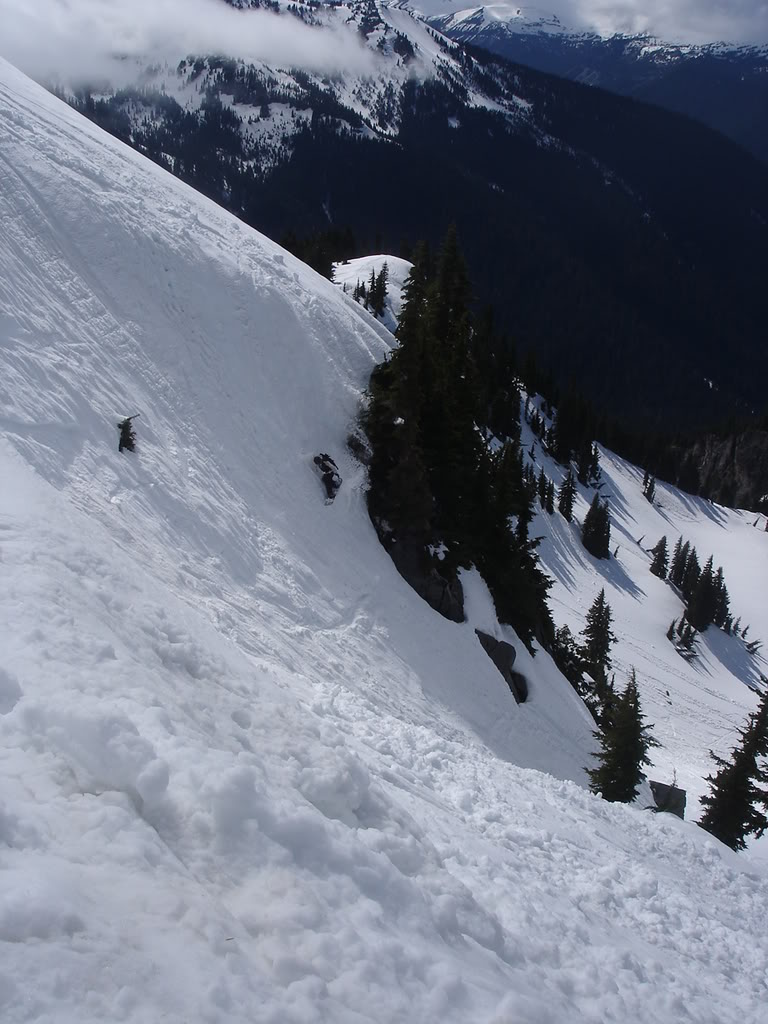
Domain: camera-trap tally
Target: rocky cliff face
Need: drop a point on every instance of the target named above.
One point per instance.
(733, 470)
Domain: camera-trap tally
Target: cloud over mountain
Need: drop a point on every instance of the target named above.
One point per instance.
(694, 21)
(83, 37)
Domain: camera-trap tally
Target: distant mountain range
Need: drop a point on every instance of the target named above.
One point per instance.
(623, 244)
(725, 87)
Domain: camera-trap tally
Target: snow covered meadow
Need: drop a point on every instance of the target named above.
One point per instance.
(247, 775)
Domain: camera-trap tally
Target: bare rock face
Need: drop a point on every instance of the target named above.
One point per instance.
(444, 594)
(734, 470)
(503, 655)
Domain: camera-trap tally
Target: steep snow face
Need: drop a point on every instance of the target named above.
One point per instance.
(247, 774)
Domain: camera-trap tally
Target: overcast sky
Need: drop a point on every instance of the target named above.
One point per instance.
(78, 36)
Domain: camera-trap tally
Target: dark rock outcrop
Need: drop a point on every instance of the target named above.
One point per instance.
(503, 655)
(669, 798)
(444, 594)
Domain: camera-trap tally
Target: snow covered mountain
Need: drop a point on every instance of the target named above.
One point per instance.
(248, 773)
(722, 85)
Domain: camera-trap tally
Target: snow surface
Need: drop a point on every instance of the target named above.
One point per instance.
(247, 774)
(350, 273)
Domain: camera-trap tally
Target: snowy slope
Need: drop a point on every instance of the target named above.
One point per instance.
(695, 706)
(247, 774)
(351, 273)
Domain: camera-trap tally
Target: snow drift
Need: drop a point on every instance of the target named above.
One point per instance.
(248, 774)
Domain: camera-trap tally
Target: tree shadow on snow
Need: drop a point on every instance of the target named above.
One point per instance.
(564, 555)
(694, 508)
(732, 653)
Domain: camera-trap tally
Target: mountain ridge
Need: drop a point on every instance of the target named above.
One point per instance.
(720, 84)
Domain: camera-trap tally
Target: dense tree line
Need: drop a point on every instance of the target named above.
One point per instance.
(435, 483)
(703, 591)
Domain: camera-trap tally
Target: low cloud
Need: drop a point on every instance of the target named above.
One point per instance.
(78, 39)
(690, 21)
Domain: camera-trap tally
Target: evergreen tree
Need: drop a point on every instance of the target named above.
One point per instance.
(550, 498)
(566, 496)
(677, 568)
(598, 638)
(377, 291)
(688, 636)
(506, 557)
(650, 489)
(568, 657)
(732, 807)
(410, 509)
(624, 743)
(660, 559)
(432, 478)
(542, 487)
(691, 575)
(722, 599)
(596, 529)
(451, 442)
(703, 602)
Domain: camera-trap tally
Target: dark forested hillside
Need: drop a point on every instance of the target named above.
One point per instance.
(725, 88)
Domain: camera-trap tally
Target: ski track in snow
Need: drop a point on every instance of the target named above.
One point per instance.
(247, 774)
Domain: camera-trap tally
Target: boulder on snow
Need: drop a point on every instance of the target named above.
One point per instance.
(503, 655)
(669, 798)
